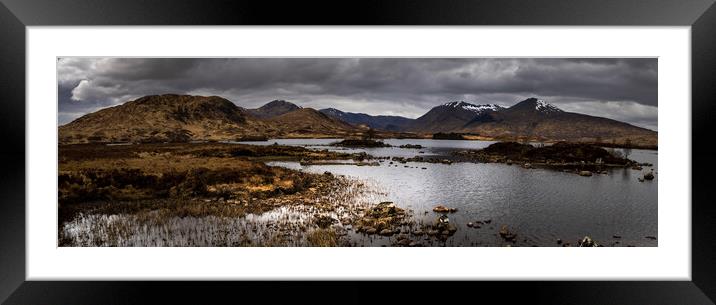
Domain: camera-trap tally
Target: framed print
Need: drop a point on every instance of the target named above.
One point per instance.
(469, 141)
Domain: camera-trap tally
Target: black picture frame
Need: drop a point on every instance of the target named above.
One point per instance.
(16, 15)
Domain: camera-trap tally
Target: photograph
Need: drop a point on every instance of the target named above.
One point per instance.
(357, 152)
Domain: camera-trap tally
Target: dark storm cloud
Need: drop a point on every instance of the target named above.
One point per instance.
(624, 89)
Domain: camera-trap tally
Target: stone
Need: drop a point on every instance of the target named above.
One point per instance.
(386, 232)
(587, 242)
(585, 173)
(506, 234)
(370, 230)
(443, 209)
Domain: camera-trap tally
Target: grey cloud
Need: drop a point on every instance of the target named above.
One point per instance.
(399, 86)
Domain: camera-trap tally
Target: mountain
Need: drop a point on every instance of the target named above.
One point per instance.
(382, 122)
(273, 108)
(168, 117)
(309, 122)
(534, 118)
(452, 116)
(181, 118)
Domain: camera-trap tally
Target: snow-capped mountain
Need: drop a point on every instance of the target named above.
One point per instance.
(451, 116)
(536, 118)
(543, 106)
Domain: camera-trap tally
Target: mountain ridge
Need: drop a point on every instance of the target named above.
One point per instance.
(172, 117)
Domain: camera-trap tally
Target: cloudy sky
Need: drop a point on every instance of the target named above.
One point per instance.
(621, 89)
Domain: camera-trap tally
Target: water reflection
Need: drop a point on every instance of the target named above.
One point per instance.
(540, 205)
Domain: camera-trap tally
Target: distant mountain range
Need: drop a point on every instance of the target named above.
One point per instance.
(183, 117)
(382, 122)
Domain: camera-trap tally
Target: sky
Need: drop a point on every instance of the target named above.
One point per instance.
(624, 89)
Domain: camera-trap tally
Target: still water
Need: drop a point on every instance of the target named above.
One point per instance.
(540, 205)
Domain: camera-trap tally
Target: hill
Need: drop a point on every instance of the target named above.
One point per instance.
(536, 119)
(273, 109)
(163, 118)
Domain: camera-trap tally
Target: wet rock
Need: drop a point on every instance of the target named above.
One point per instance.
(616, 236)
(587, 242)
(527, 165)
(327, 173)
(383, 216)
(585, 173)
(559, 241)
(649, 175)
(506, 234)
(651, 237)
(442, 221)
(418, 232)
(488, 221)
(469, 224)
(386, 232)
(348, 227)
(371, 230)
(415, 146)
(441, 209)
(414, 244)
(640, 179)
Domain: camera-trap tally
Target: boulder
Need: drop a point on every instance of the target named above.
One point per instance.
(386, 232)
(441, 209)
(585, 173)
(506, 234)
(587, 242)
(649, 175)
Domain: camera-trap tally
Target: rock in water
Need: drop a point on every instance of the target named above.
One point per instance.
(386, 232)
(585, 173)
(443, 209)
(506, 234)
(587, 242)
(649, 175)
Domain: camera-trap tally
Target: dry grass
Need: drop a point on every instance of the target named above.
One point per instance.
(323, 238)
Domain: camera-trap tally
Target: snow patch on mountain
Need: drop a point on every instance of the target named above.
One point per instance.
(543, 106)
(472, 107)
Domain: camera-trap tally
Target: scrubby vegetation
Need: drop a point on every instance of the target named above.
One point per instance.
(160, 184)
